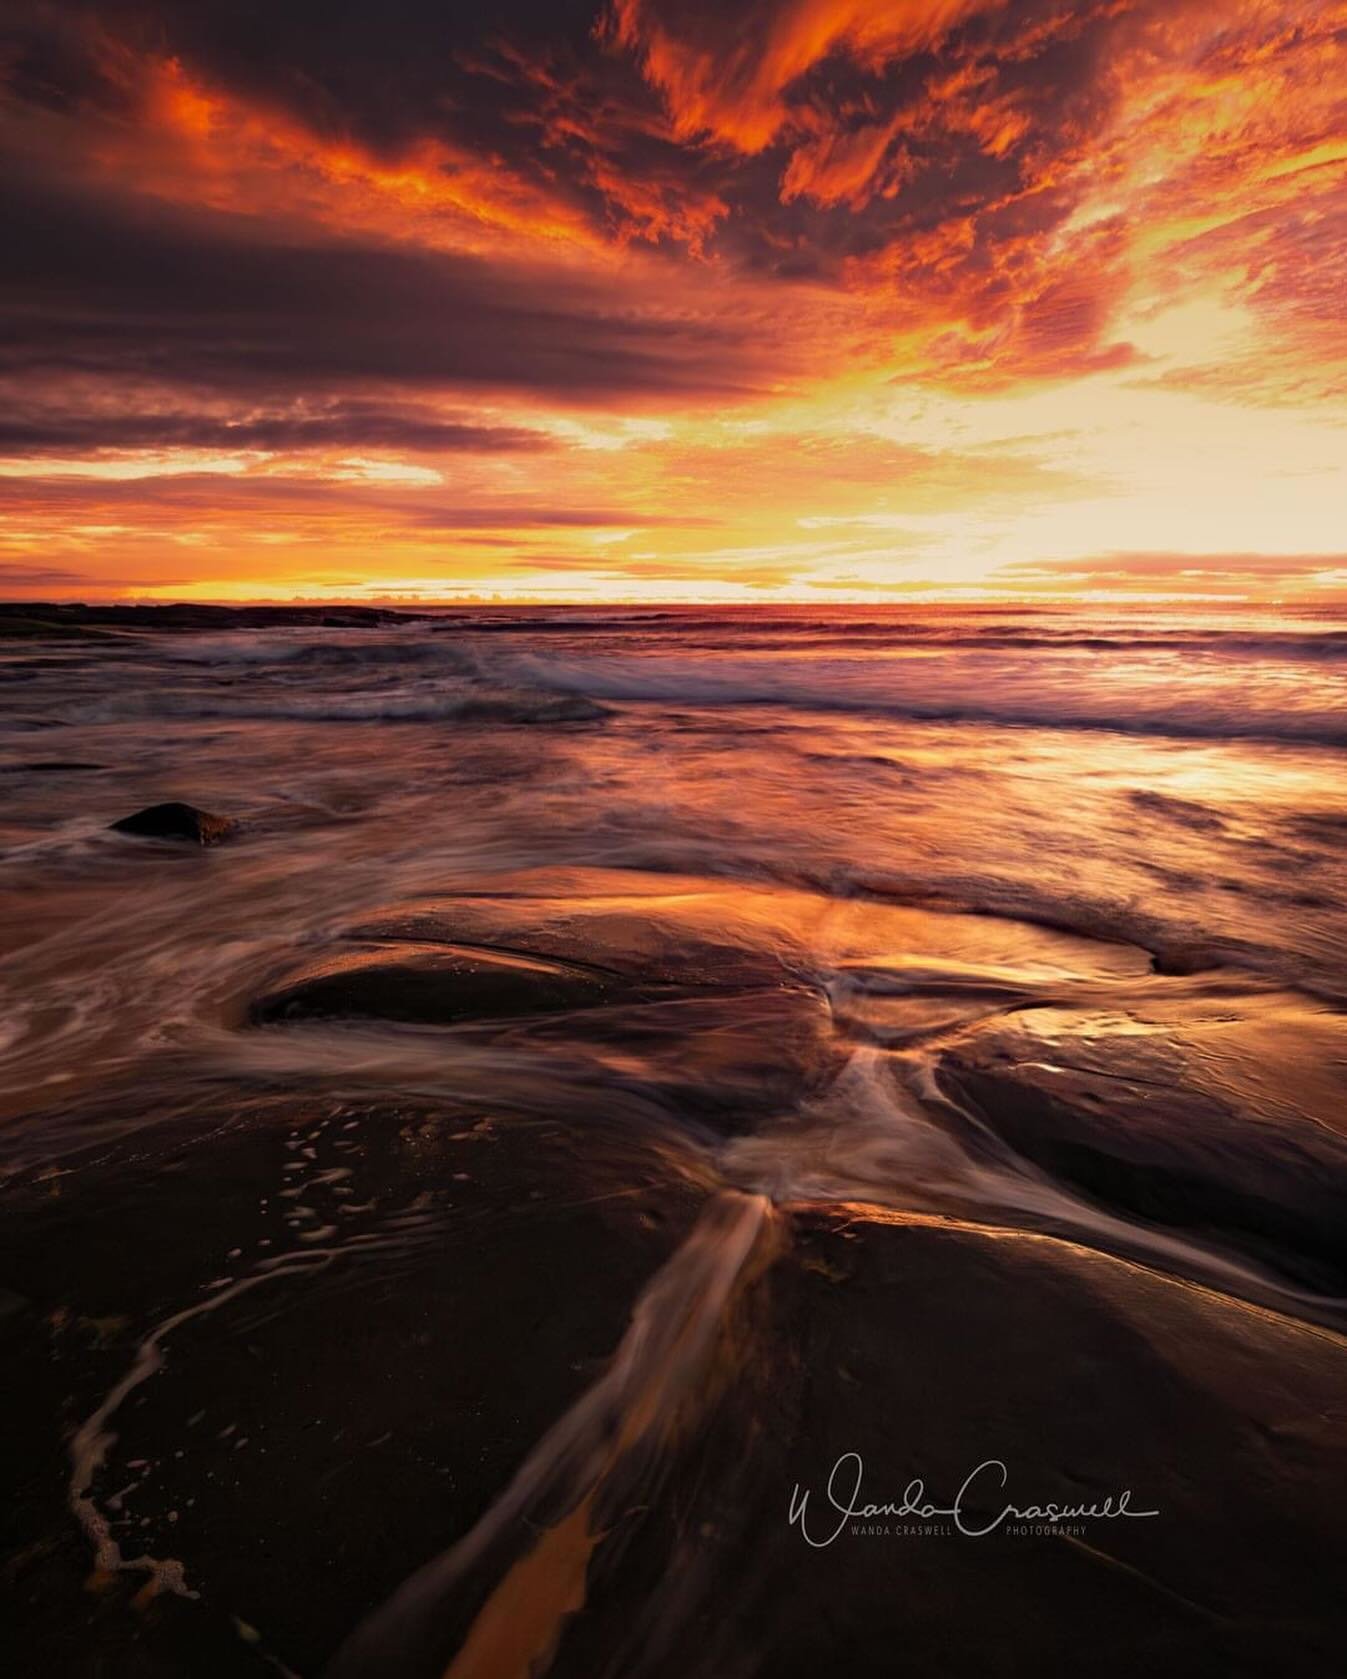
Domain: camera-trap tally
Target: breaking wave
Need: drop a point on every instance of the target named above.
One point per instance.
(967, 688)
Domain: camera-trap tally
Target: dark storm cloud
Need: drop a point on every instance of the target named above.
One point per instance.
(130, 290)
(47, 60)
(926, 155)
(381, 73)
(339, 425)
(383, 70)
(524, 84)
(854, 150)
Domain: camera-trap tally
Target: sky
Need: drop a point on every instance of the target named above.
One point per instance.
(682, 300)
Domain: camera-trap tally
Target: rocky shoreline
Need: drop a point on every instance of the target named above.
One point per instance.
(458, 1224)
(292, 1348)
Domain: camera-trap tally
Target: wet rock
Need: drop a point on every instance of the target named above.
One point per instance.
(484, 1269)
(1028, 1373)
(724, 1060)
(664, 929)
(1122, 1121)
(483, 1276)
(631, 945)
(176, 821)
(430, 985)
(1083, 1376)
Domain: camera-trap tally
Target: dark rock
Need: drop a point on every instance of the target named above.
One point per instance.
(648, 928)
(176, 821)
(48, 767)
(431, 986)
(1084, 1376)
(1121, 1121)
(521, 1249)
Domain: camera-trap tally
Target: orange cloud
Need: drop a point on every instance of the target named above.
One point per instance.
(197, 143)
(840, 168)
(792, 294)
(1212, 153)
(725, 75)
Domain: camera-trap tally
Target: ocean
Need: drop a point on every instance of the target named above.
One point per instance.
(625, 1063)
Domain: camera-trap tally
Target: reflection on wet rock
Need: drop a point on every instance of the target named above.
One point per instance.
(429, 985)
(1125, 1117)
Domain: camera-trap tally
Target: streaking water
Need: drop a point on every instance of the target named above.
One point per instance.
(867, 867)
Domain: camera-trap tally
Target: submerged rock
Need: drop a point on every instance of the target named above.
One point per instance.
(176, 821)
(430, 986)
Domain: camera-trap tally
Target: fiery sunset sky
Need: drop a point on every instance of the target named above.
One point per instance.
(674, 299)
